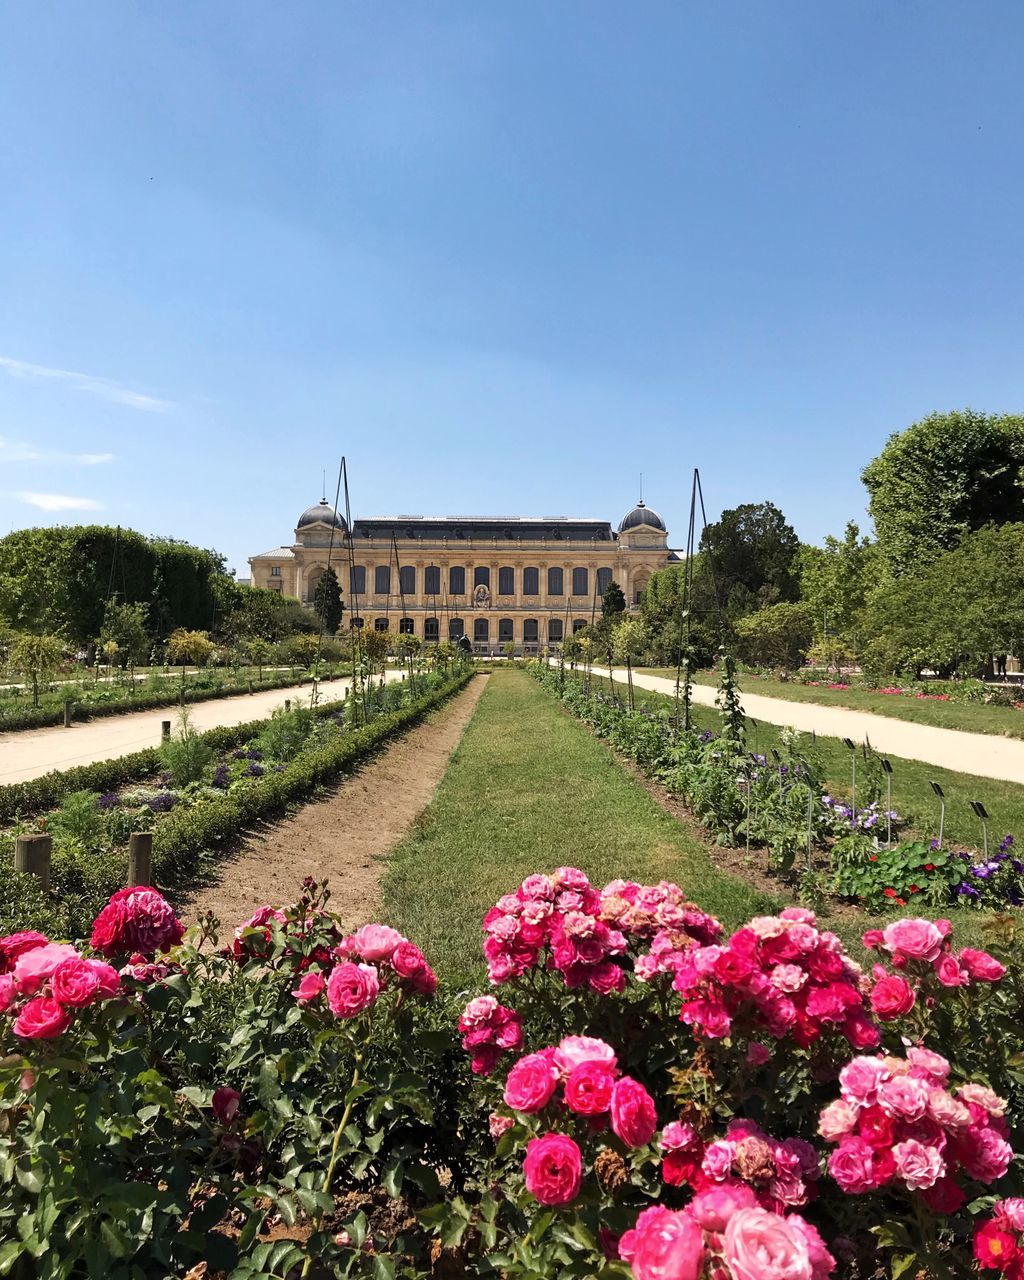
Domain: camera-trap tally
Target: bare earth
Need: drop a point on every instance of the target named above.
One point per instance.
(345, 837)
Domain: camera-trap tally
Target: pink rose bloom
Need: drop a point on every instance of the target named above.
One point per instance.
(860, 1079)
(916, 939)
(634, 1118)
(42, 1019)
(310, 986)
(498, 1124)
(136, 919)
(717, 1162)
(892, 997)
(537, 887)
(666, 1245)
(7, 991)
(74, 983)
(985, 1155)
(853, 1166)
(374, 942)
(788, 977)
(607, 978)
(1012, 1209)
(800, 914)
(822, 1262)
(479, 1009)
(929, 1066)
(225, 1104)
(714, 1206)
(981, 966)
(576, 1049)
(950, 973)
(16, 943)
(873, 939)
(553, 1168)
(570, 878)
(947, 1112)
(839, 1117)
(904, 1096)
(33, 967)
(351, 988)
(982, 1096)
(860, 1031)
(919, 1166)
(588, 1088)
(762, 1246)
(531, 1083)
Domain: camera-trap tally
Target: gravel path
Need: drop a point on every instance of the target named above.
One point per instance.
(33, 752)
(986, 755)
(345, 837)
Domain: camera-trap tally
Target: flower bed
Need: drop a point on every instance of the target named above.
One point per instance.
(744, 798)
(237, 787)
(638, 1095)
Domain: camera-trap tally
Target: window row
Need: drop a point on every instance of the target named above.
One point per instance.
(481, 628)
(481, 578)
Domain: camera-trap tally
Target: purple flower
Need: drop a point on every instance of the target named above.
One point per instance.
(254, 770)
(968, 891)
(110, 800)
(222, 777)
(935, 844)
(162, 804)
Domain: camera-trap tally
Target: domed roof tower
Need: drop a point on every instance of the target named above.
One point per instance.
(322, 513)
(641, 514)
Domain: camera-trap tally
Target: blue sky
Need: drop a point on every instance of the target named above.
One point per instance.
(503, 256)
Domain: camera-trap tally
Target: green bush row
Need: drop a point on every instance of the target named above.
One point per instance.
(145, 700)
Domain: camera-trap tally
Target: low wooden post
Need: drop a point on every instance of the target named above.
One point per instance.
(32, 854)
(69, 706)
(250, 684)
(287, 704)
(140, 858)
(165, 730)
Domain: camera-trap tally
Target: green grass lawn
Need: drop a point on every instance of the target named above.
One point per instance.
(530, 789)
(971, 717)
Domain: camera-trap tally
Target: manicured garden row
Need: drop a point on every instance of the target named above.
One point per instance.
(144, 700)
(528, 784)
(186, 836)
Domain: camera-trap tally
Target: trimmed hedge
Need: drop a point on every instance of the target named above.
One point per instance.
(184, 836)
(48, 717)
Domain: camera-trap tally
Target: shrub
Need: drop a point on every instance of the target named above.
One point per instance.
(186, 754)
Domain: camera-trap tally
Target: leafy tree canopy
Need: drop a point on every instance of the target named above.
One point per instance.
(327, 601)
(754, 550)
(939, 479)
(778, 635)
(835, 583)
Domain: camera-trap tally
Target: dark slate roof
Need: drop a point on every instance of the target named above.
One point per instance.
(485, 528)
(641, 514)
(322, 513)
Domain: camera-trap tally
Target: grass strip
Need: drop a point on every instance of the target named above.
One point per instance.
(529, 789)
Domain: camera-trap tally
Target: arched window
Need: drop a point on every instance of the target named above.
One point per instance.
(581, 582)
(481, 631)
(356, 624)
(505, 630)
(506, 580)
(357, 579)
(554, 629)
(431, 629)
(604, 580)
(380, 624)
(640, 581)
(432, 580)
(382, 580)
(530, 631)
(455, 629)
(556, 585)
(578, 624)
(457, 581)
(531, 582)
(481, 576)
(407, 580)
(406, 627)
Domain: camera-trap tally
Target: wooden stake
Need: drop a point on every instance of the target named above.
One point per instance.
(68, 708)
(32, 854)
(165, 730)
(140, 858)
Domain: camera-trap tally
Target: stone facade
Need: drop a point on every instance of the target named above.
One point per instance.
(497, 580)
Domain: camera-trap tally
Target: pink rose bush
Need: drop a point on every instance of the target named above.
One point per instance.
(45, 985)
(999, 1240)
(489, 1030)
(897, 1125)
(136, 919)
(782, 1175)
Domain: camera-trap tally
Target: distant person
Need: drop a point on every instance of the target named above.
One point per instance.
(1001, 666)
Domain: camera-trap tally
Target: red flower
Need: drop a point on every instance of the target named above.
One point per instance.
(994, 1248)
(889, 893)
(873, 857)
(929, 866)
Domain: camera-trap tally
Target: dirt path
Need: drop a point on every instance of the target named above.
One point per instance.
(983, 754)
(344, 837)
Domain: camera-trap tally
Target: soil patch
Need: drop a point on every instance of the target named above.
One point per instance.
(344, 837)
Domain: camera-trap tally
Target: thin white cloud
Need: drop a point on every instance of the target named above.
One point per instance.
(19, 451)
(59, 502)
(104, 387)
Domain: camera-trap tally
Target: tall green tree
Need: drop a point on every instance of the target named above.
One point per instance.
(836, 581)
(126, 625)
(778, 635)
(327, 601)
(37, 658)
(754, 550)
(613, 602)
(940, 479)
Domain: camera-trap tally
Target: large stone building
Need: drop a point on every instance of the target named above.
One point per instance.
(497, 580)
